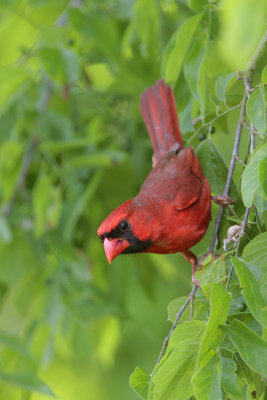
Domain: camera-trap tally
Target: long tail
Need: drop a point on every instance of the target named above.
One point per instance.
(159, 112)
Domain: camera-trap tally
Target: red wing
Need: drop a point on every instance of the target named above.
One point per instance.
(191, 179)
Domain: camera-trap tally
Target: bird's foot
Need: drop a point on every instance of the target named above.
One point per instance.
(195, 281)
(222, 200)
(206, 258)
(192, 259)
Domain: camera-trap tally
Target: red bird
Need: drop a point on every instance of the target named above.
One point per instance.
(172, 210)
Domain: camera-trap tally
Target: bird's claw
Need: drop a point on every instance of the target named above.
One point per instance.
(195, 281)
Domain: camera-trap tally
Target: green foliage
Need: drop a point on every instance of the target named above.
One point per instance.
(256, 109)
(73, 146)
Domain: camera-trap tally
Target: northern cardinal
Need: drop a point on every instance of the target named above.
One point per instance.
(172, 210)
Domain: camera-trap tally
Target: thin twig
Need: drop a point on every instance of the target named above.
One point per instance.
(240, 161)
(252, 128)
(252, 147)
(178, 316)
(207, 124)
(192, 302)
(230, 171)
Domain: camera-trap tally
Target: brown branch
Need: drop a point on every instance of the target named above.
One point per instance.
(178, 316)
(235, 154)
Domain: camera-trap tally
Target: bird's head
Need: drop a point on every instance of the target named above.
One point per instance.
(128, 229)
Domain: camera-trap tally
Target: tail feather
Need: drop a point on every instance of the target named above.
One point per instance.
(159, 112)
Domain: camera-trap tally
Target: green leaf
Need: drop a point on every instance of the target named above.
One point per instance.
(61, 64)
(213, 166)
(172, 379)
(214, 271)
(198, 5)
(207, 380)
(222, 83)
(9, 166)
(250, 184)
(174, 306)
(229, 378)
(256, 111)
(263, 175)
(12, 78)
(201, 309)
(80, 205)
(251, 291)
(220, 301)
(192, 67)
(264, 75)
(251, 347)
(255, 252)
(27, 381)
(264, 286)
(47, 205)
(139, 382)
(147, 24)
(5, 232)
(13, 342)
(177, 49)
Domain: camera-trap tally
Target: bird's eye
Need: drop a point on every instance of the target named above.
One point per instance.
(124, 225)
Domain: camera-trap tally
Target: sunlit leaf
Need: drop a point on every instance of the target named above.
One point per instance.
(207, 380)
(229, 378)
(250, 177)
(219, 303)
(251, 347)
(192, 67)
(222, 83)
(251, 291)
(264, 75)
(214, 271)
(213, 166)
(139, 382)
(256, 110)
(263, 175)
(177, 49)
(173, 376)
(263, 285)
(255, 252)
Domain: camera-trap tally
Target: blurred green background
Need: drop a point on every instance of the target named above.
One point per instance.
(72, 147)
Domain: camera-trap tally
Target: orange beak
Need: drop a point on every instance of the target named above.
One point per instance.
(114, 247)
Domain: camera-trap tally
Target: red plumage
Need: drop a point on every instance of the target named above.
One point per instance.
(172, 210)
